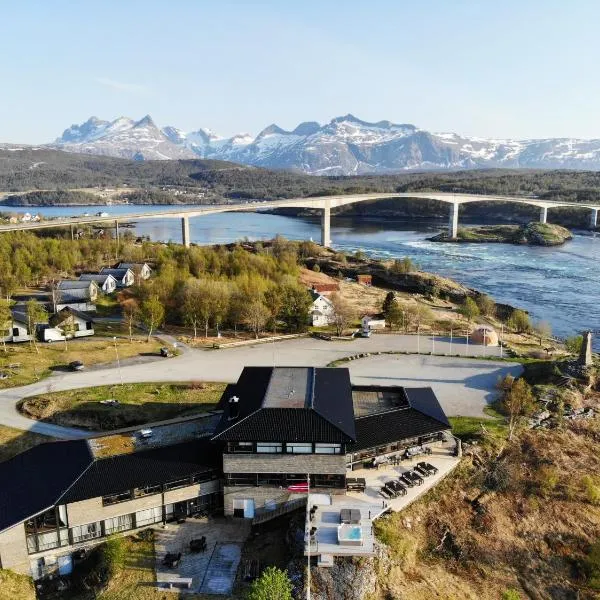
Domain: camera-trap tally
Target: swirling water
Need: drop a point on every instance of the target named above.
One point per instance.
(560, 284)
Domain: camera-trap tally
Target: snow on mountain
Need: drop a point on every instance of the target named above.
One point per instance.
(344, 146)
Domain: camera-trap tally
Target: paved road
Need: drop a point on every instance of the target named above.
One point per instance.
(464, 385)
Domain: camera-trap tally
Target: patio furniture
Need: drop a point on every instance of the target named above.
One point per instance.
(428, 467)
(356, 484)
(391, 490)
(415, 477)
(198, 544)
(397, 487)
(406, 480)
(421, 470)
(171, 559)
(179, 582)
(386, 493)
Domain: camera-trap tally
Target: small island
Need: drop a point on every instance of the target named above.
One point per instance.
(531, 234)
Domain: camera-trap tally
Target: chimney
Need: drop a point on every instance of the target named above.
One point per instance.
(234, 408)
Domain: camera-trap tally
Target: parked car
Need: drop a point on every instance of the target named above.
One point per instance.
(165, 352)
(76, 365)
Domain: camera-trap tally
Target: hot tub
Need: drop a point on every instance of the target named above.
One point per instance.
(350, 535)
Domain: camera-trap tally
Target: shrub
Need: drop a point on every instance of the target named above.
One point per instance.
(273, 584)
(592, 489)
(511, 594)
(316, 268)
(592, 566)
(113, 555)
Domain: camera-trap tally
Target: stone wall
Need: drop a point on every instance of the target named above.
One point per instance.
(330, 464)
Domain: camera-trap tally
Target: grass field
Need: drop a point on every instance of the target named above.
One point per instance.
(15, 587)
(13, 441)
(137, 404)
(24, 365)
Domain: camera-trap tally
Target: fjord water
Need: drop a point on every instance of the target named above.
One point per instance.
(560, 284)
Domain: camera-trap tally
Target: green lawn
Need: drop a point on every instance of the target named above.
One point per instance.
(472, 428)
(15, 587)
(137, 404)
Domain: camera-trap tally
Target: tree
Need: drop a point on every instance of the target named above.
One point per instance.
(255, 316)
(396, 315)
(219, 292)
(469, 309)
(390, 300)
(274, 302)
(295, 304)
(36, 313)
(402, 266)
(131, 313)
(519, 321)
(152, 313)
(192, 305)
(543, 329)
(273, 584)
(68, 328)
(343, 313)
(5, 320)
(417, 315)
(486, 305)
(517, 401)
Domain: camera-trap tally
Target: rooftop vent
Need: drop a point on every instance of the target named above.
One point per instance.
(234, 408)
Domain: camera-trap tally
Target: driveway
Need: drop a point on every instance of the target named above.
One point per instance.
(464, 385)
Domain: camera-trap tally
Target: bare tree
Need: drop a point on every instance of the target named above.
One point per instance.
(152, 314)
(343, 313)
(5, 320)
(256, 315)
(131, 314)
(36, 313)
(518, 402)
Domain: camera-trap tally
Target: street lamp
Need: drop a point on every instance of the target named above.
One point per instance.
(118, 361)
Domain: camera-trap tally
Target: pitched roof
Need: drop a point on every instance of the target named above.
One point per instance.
(34, 480)
(289, 404)
(140, 265)
(19, 316)
(64, 313)
(98, 277)
(73, 284)
(118, 274)
(61, 472)
(73, 294)
(420, 415)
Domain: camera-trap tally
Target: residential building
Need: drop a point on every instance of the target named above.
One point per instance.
(321, 312)
(17, 329)
(124, 277)
(59, 497)
(326, 289)
(68, 323)
(365, 279)
(90, 288)
(140, 270)
(76, 299)
(107, 283)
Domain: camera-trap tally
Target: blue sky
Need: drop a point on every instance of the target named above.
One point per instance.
(488, 68)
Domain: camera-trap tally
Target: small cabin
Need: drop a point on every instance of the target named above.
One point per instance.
(370, 323)
(365, 279)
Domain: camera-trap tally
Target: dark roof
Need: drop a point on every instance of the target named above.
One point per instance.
(102, 277)
(66, 312)
(116, 273)
(73, 284)
(61, 472)
(289, 404)
(123, 472)
(33, 481)
(73, 295)
(421, 415)
(19, 316)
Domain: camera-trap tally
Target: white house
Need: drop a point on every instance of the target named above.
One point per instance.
(321, 311)
(124, 277)
(141, 270)
(75, 299)
(107, 283)
(369, 323)
(89, 287)
(16, 329)
(68, 323)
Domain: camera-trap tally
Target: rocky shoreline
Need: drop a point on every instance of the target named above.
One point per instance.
(531, 234)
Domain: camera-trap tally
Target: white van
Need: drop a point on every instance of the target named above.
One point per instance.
(50, 334)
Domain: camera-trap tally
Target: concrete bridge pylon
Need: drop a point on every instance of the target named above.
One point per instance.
(185, 231)
(544, 214)
(326, 225)
(594, 218)
(453, 222)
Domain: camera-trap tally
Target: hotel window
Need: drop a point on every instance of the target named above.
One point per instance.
(178, 483)
(81, 533)
(299, 448)
(148, 517)
(328, 448)
(147, 490)
(269, 447)
(241, 447)
(115, 498)
(117, 524)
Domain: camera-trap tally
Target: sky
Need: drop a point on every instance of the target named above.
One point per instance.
(510, 68)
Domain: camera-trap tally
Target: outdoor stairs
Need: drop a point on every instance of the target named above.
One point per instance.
(284, 507)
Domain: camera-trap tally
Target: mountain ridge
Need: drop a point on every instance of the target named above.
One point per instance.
(346, 145)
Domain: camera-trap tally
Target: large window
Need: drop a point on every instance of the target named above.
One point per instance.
(299, 448)
(148, 516)
(241, 447)
(47, 530)
(115, 498)
(147, 490)
(81, 533)
(117, 524)
(328, 448)
(178, 483)
(269, 447)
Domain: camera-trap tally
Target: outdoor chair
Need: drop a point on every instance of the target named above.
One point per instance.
(198, 544)
(171, 560)
(415, 477)
(406, 480)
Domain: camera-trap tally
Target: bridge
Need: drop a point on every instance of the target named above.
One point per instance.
(323, 203)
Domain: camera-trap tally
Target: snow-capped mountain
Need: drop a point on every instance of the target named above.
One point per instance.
(344, 146)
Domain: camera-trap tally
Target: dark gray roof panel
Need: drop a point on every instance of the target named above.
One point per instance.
(34, 480)
(333, 399)
(425, 400)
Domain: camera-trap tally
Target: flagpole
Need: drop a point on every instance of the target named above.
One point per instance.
(309, 540)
